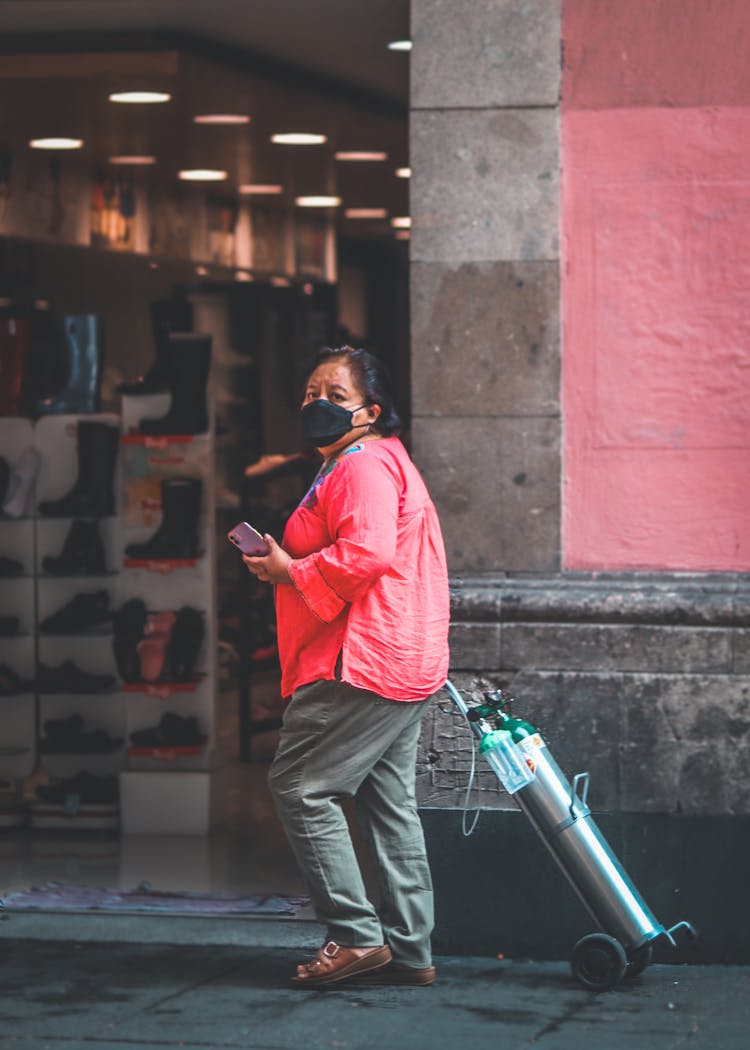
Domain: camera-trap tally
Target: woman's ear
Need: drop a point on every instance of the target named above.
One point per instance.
(373, 412)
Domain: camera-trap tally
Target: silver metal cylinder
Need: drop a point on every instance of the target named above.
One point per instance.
(566, 827)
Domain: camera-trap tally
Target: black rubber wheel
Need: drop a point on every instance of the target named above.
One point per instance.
(598, 962)
(639, 960)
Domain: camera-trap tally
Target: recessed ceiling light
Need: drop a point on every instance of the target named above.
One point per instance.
(400, 45)
(268, 189)
(281, 282)
(135, 159)
(366, 213)
(402, 235)
(56, 143)
(201, 271)
(403, 173)
(221, 118)
(243, 275)
(317, 201)
(361, 154)
(298, 138)
(202, 175)
(401, 222)
(136, 97)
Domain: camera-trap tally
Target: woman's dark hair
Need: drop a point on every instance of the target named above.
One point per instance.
(371, 376)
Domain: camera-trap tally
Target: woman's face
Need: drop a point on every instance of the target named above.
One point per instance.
(334, 381)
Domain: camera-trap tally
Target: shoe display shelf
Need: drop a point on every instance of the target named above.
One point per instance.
(17, 625)
(167, 563)
(250, 371)
(77, 573)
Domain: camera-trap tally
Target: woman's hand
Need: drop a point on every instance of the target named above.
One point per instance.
(272, 567)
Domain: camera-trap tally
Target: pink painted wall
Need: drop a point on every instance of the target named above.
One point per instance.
(656, 284)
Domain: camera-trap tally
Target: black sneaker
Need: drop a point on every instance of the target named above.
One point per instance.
(9, 567)
(68, 678)
(12, 684)
(80, 614)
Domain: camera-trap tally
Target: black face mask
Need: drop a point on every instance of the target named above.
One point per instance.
(323, 423)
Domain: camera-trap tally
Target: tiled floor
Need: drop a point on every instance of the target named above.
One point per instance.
(247, 853)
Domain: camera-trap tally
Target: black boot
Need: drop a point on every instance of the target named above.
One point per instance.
(177, 536)
(83, 337)
(82, 553)
(184, 644)
(167, 316)
(188, 361)
(93, 495)
(4, 478)
(129, 623)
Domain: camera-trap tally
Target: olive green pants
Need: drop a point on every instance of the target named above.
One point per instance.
(338, 742)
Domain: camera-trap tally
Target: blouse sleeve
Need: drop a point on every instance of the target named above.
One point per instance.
(360, 499)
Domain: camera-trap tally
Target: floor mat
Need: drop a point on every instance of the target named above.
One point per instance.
(54, 896)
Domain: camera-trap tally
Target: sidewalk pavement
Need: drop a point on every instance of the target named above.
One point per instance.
(116, 982)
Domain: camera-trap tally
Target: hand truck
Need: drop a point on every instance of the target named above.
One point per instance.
(558, 812)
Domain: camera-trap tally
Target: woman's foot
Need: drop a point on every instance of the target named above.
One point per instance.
(334, 963)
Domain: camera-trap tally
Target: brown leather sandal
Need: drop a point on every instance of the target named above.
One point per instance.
(334, 963)
(416, 977)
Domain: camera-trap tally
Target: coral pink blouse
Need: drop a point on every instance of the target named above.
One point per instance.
(370, 579)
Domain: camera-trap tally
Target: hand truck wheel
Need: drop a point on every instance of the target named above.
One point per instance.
(639, 960)
(598, 962)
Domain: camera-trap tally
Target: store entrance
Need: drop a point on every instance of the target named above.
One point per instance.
(154, 333)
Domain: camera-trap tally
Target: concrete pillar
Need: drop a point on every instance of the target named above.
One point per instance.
(485, 277)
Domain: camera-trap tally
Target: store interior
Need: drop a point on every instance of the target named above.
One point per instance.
(166, 275)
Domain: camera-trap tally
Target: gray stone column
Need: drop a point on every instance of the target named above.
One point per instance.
(485, 277)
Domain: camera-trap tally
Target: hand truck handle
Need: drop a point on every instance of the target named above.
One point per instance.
(579, 778)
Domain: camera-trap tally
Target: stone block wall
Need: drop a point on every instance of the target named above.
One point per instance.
(641, 681)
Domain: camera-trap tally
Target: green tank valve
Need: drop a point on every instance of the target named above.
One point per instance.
(517, 728)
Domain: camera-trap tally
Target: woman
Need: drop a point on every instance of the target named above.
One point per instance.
(362, 620)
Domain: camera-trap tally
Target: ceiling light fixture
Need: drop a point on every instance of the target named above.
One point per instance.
(400, 45)
(140, 97)
(136, 160)
(402, 235)
(403, 173)
(203, 175)
(267, 189)
(361, 154)
(281, 282)
(56, 143)
(243, 275)
(221, 118)
(317, 201)
(366, 213)
(298, 138)
(401, 222)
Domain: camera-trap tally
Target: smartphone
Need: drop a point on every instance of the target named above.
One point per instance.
(248, 540)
